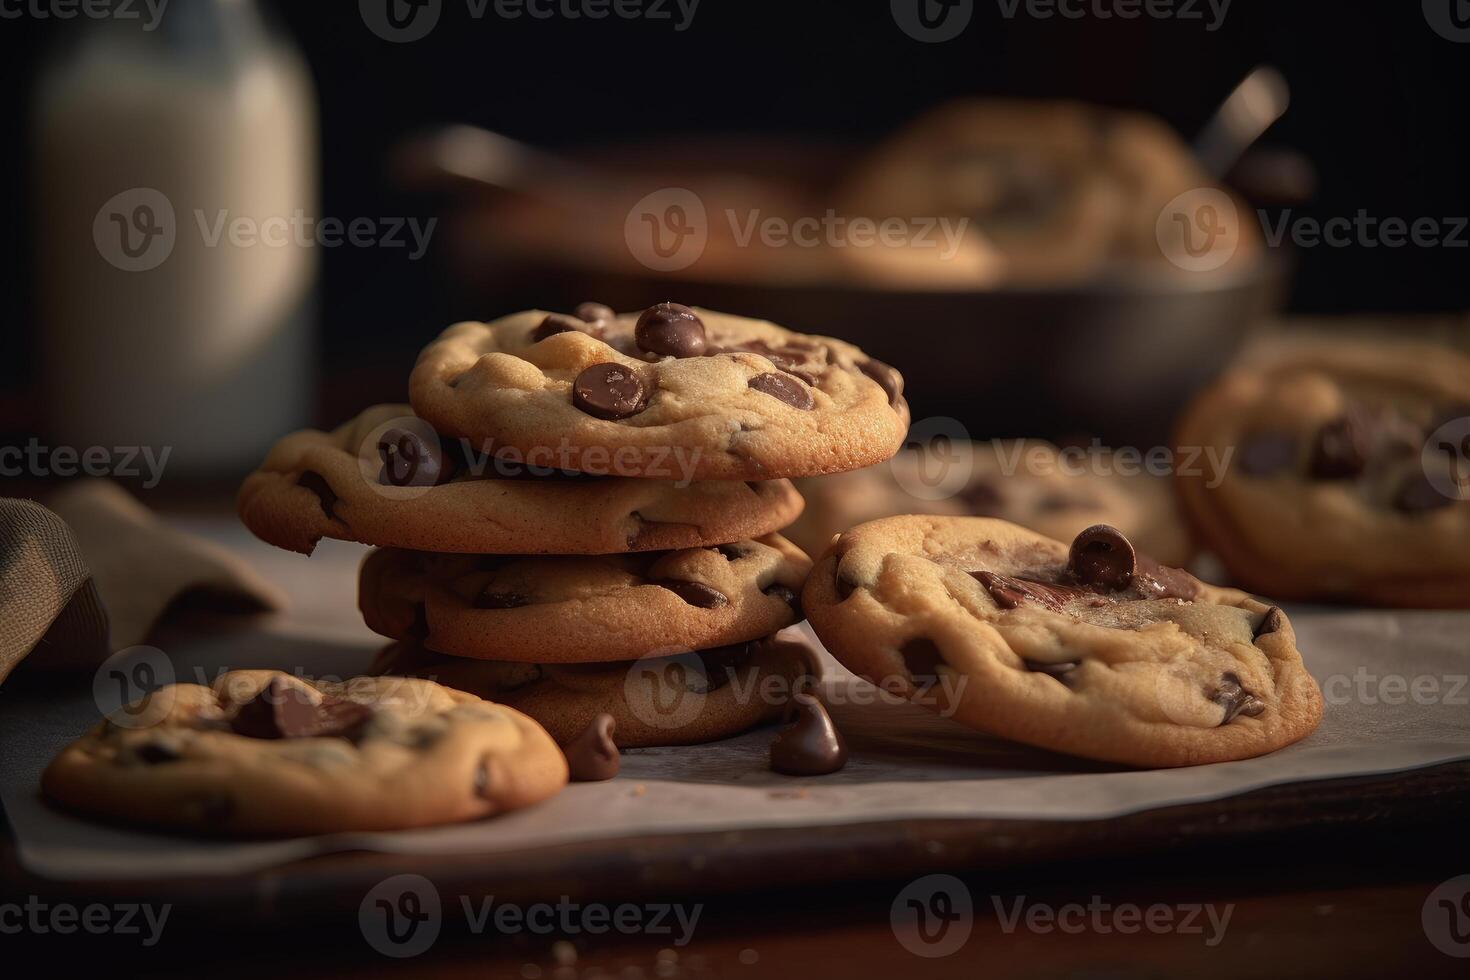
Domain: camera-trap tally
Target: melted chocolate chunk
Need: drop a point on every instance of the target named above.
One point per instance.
(1340, 449)
(811, 746)
(1155, 581)
(1418, 495)
(1057, 670)
(670, 329)
(1267, 453)
(318, 485)
(284, 710)
(1010, 593)
(593, 756)
(609, 391)
(1102, 558)
(556, 323)
(155, 753)
(781, 357)
(695, 593)
(783, 387)
(1235, 699)
(408, 461)
(921, 658)
(489, 599)
(786, 595)
(595, 313)
(887, 377)
(1270, 623)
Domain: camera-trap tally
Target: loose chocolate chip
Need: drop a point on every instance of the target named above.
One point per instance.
(609, 391)
(556, 323)
(1101, 557)
(593, 756)
(811, 746)
(1419, 495)
(409, 461)
(154, 753)
(1340, 449)
(1010, 593)
(283, 710)
(695, 593)
(1267, 453)
(1270, 623)
(786, 595)
(921, 658)
(1235, 699)
(501, 600)
(1058, 670)
(887, 377)
(784, 388)
(595, 313)
(318, 485)
(670, 329)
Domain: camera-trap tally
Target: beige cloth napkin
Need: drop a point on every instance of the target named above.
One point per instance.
(96, 572)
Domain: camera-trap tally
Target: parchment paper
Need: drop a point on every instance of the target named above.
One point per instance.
(1395, 684)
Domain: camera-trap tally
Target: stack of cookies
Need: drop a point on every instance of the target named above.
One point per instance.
(577, 515)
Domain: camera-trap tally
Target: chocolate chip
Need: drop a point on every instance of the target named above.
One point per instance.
(887, 377)
(784, 388)
(154, 753)
(595, 313)
(284, 710)
(1058, 670)
(1267, 453)
(556, 323)
(1235, 699)
(1340, 449)
(1010, 593)
(786, 595)
(921, 658)
(1270, 623)
(593, 756)
(695, 593)
(1101, 557)
(609, 391)
(810, 746)
(1419, 495)
(670, 329)
(318, 485)
(501, 600)
(1155, 581)
(409, 461)
(782, 357)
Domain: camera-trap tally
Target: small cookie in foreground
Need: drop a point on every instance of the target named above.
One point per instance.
(1350, 473)
(668, 392)
(678, 700)
(584, 609)
(1030, 482)
(386, 478)
(264, 753)
(1093, 650)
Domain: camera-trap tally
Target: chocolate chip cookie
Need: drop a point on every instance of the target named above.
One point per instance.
(1090, 649)
(678, 700)
(1349, 477)
(584, 610)
(386, 478)
(261, 752)
(1030, 482)
(668, 392)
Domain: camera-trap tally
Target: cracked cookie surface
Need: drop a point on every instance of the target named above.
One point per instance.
(1093, 650)
(584, 609)
(668, 391)
(679, 700)
(264, 753)
(1350, 478)
(386, 478)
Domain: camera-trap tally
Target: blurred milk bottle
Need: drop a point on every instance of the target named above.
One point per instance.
(176, 192)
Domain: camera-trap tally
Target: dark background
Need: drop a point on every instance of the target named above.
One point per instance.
(1378, 106)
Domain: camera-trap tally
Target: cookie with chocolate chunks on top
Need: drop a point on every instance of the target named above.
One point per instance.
(584, 609)
(1347, 473)
(264, 753)
(1088, 647)
(668, 388)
